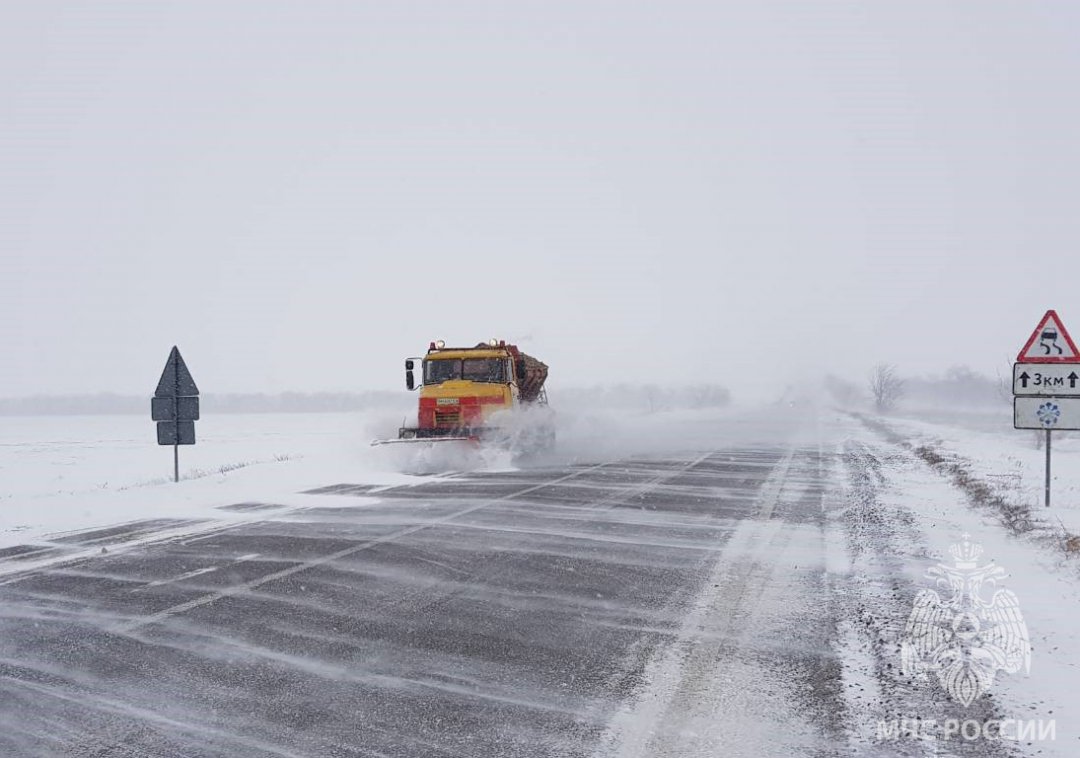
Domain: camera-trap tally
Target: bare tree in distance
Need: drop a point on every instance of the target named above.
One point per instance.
(886, 386)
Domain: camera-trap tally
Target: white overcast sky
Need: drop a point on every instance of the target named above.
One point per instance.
(302, 194)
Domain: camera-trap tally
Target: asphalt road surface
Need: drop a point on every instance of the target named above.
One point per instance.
(637, 607)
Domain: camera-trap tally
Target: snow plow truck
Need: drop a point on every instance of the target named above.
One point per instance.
(490, 393)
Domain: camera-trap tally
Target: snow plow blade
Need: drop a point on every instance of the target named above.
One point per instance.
(413, 440)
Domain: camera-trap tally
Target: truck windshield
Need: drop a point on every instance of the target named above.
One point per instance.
(470, 369)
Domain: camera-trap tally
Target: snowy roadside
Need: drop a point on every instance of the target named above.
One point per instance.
(1011, 463)
(903, 509)
(61, 475)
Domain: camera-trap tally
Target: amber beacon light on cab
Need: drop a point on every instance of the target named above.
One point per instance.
(490, 393)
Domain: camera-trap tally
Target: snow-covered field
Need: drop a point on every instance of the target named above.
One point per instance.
(66, 473)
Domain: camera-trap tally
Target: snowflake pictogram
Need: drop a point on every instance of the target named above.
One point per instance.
(1048, 414)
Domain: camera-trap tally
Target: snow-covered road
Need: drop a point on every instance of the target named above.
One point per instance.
(750, 598)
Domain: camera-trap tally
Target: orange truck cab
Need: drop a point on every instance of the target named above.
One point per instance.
(461, 388)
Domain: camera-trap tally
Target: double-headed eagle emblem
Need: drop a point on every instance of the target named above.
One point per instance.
(961, 635)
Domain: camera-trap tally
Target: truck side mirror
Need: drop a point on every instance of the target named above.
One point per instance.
(410, 383)
(409, 364)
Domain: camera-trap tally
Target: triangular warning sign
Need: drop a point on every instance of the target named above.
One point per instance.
(1049, 343)
(176, 380)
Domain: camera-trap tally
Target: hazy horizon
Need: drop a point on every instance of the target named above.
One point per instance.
(302, 195)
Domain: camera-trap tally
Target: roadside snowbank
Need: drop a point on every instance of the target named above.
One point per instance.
(1009, 460)
(924, 502)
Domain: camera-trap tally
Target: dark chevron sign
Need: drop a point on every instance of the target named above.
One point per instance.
(175, 406)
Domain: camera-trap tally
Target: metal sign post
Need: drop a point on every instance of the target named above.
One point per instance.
(1046, 413)
(175, 406)
(1047, 468)
(1045, 391)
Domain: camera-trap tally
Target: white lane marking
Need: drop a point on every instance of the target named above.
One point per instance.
(196, 572)
(344, 553)
(180, 578)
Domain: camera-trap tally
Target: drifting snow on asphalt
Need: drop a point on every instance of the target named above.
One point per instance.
(747, 597)
(493, 614)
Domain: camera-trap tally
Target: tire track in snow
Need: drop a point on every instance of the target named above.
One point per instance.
(651, 725)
